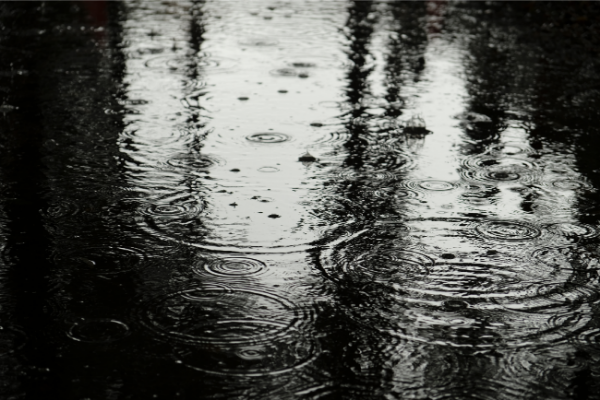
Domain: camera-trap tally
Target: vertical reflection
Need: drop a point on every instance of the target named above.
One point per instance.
(64, 148)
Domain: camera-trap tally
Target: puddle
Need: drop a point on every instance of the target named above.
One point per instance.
(309, 200)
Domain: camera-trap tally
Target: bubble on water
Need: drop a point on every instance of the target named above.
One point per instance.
(103, 260)
(507, 230)
(222, 316)
(234, 267)
(98, 330)
(279, 355)
(268, 137)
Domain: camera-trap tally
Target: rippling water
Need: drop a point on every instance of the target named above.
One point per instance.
(299, 200)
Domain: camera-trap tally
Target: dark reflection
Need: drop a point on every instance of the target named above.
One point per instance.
(405, 58)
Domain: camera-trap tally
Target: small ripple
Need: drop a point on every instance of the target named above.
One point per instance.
(267, 169)
(279, 355)
(507, 230)
(104, 259)
(510, 149)
(62, 208)
(205, 61)
(566, 257)
(195, 161)
(11, 340)
(571, 184)
(221, 316)
(480, 194)
(429, 185)
(490, 169)
(259, 41)
(234, 267)
(590, 337)
(268, 137)
(169, 211)
(285, 72)
(98, 330)
(574, 232)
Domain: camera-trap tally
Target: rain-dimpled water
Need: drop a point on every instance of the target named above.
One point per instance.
(297, 199)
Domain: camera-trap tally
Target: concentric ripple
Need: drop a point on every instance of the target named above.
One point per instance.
(221, 316)
(570, 184)
(508, 230)
(268, 137)
(574, 232)
(172, 211)
(234, 267)
(276, 356)
(204, 61)
(430, 185)
(195, 161)
(490, 169)
(98, 330)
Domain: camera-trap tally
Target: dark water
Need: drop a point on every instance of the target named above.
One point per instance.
(299, 200)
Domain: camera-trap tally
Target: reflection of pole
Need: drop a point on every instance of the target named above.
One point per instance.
(360, 29)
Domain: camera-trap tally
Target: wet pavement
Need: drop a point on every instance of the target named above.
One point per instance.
(299, 200)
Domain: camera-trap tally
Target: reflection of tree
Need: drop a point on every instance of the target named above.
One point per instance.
(64, 174)
(406, 48)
